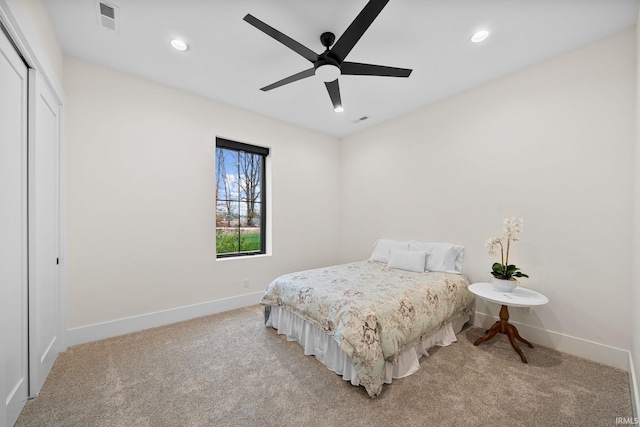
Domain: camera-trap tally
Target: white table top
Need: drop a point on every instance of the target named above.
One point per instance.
(520, 297)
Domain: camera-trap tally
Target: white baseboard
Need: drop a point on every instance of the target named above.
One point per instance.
(114, 328)
(635, 398)
(610, 356)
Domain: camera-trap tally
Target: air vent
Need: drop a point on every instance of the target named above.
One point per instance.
(361, 119)
(108, 15)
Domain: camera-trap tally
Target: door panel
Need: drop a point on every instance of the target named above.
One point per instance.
(44, 281)
(13, 232)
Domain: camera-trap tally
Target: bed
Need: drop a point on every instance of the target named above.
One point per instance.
(371, 320)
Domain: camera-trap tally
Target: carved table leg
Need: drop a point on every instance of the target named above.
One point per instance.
(503, 326)
(514, 343)
(490, 333)
(519, 338)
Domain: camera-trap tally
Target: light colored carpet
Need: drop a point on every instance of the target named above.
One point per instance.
(229, 370)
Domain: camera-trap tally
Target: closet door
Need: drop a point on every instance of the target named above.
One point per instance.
(45, 333)
(13, 234)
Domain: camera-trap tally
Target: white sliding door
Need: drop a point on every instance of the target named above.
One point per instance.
(13, 234)
(45, 335)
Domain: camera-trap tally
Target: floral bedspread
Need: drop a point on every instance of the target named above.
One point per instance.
(374, 312)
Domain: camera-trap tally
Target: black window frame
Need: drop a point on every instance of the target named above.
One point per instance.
(263, 152)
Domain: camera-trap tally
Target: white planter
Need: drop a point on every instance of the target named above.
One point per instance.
(504, 285)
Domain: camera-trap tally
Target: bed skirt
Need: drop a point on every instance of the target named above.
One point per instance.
(325, 348)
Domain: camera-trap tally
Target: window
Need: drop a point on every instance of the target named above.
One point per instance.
(240, 199)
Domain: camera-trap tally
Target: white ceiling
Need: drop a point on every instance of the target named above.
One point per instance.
(229, 60)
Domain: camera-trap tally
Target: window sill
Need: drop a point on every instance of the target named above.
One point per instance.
(232, 258)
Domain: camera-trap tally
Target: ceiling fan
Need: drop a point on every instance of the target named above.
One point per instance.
(331, 64)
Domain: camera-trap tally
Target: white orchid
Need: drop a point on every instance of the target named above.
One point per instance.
(503, 270)
(493, 245)
(513, 227)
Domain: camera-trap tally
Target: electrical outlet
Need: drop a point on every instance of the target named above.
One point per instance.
(526, 310)
(245, 283)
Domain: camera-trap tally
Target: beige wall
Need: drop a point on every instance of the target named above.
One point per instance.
(141, 197)
(553, 144)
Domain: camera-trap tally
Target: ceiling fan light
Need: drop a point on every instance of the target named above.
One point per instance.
(328, 72)
(479, 36)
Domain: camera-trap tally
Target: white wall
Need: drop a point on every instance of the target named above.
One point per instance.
(553, 144)
(141, 201)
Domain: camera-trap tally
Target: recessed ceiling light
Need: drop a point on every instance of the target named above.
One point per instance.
(179, 44)
(479, 36)
(338, 109)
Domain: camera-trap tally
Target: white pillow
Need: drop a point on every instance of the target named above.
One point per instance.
(445, 257)
(407, 260)
(383, 246)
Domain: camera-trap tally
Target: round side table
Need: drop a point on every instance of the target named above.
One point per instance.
(520, 297)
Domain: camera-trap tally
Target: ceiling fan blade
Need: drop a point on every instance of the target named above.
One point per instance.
(294, 78)
(334, 93)
(348, 40)
(358, 69)
(282, 38)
